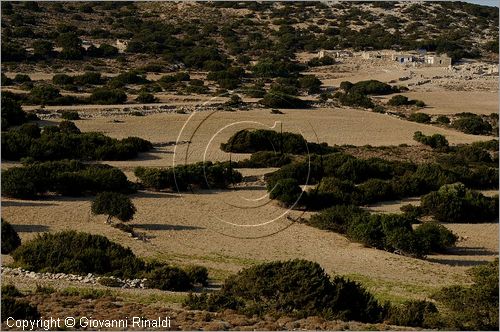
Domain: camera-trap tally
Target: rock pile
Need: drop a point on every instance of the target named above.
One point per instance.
(88, 279)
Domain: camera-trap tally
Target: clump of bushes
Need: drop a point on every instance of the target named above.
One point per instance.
(77, 253)
(390, 232)
(436, 141)
(166, 277)
(202, 175)
(16, 308)
(455, 203)
(400, 100)
(83, 253)
(370, 87)
(70, 115)
(63, 177)
(296, 288)
(416, 313)
(282, 100)
(250, 141)
(107, 96)
(473, 307)
(12, 113)
(472, 124)
(146, 98)
(67, 142)
(354, 99)
(10, 238)
(420, 118)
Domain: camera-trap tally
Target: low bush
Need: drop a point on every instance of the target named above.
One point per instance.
(146, 98)
(443, 119)
(420, 118)
(107, 96)
(282, 100)
(70, 115)
(203, 175)
(77, 253)
(436, 141)
(197, 274)
(390, 232)
(64, 177)
(435, 237)
(399, 100)
(370, 87)
(355, 99)
(251, 141)
(10, 291)
(416, 313)
(10, 238)
(473, 307)
(67, 142)
(168, 278)
(287, 191)
(296, 288)
(472, 124)
(18, 309)
(337, 218)
(12, 113)
(455, 203)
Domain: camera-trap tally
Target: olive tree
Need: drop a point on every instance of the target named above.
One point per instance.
(114, 205)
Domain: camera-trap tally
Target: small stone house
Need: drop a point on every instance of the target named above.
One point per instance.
(121, 45)
(403, 58)
(441, 60)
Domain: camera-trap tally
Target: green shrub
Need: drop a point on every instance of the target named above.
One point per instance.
(472, 124)
(10, 238)
(89, 78)
(66, 141)
(455, 203)
(107, 96)
(286, 191)
(168, 278)
(70, 115)
(310, 83)
(12, 113)
(114, 205)
(18, 309)
(204, 175)
(443, 119)
(414, 313)
(146, 98)
(197, 274)
(355, 99)
(22, 78)
(436, 237)
(77, 253)
(64, 177)
(62, 79)
(399, 100)
(10, 291)
(436, 141)
(295, 288)
(370, 87)
(474, 307)
(337, 218)
(420, 118)
(281, 100)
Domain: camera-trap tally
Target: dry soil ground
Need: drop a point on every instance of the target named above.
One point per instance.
(230, 229)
